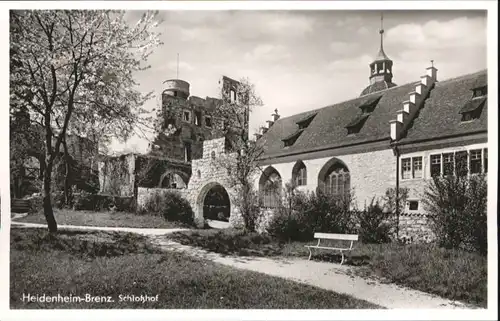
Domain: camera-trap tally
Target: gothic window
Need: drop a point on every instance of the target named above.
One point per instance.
(270, 188)
(335, 179)
(299, 174)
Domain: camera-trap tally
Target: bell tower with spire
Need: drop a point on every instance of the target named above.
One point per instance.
(380, 68)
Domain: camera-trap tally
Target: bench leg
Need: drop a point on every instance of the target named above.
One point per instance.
(341, 262)
(310, 253)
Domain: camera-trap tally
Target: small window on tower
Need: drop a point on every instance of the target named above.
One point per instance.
(187, 116)
(197, 118)
(208, 121)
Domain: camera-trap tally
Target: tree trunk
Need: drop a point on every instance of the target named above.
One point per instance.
(67, 175)
(47, 204)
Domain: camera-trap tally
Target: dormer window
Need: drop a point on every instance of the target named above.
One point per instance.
(356, 124)
(304, 122)
(291, 139)
(480, 92)
(472, 109)
(369, 104)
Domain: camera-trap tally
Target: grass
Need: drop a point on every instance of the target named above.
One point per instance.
(103, 219)
(110, 264)
(453, 274)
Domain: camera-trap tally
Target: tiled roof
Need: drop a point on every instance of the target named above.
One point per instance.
(439, 117)
(328, 128)
(377, 86)
(472, 105)
(357, 120)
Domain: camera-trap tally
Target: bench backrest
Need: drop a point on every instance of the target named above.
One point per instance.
(330, 236)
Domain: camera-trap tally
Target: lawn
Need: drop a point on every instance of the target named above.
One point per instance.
(107, 219)
(113, 264)
(453, 274)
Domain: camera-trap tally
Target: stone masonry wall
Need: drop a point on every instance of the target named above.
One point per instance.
(207, 172)
(415, 228)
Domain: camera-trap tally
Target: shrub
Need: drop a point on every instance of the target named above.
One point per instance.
(100, 202)
(288, 220)
(375, 225)
(83, 201)
(171, 205)
(301, 215)
(152, 204)
(176, 208)
(36, 203)
(458, 208)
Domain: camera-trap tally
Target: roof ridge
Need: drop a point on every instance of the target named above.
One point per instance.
(383, 91)
(457, 78)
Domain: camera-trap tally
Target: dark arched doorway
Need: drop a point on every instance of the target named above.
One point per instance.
(216, 205)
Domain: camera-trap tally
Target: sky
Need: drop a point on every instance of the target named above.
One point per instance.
(304, 60)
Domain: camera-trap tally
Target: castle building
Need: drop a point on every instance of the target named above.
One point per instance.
(390, 136)
(183, 123)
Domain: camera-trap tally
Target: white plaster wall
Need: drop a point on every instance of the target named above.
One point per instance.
(371, 173)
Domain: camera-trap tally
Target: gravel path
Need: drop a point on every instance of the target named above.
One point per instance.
(143, 231)
(325, 275)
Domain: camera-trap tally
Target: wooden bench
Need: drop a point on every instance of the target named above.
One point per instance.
(329, 236)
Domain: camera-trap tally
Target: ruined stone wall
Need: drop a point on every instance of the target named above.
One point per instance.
(184, 123)
(116, 175)
(208, 172)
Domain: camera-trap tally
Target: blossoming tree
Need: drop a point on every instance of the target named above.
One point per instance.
(74, 71)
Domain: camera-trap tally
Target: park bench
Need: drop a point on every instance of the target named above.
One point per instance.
(337, 237)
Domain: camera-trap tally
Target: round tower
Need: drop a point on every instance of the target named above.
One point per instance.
(176, 88)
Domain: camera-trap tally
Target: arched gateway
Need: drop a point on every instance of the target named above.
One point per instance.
(213, 203)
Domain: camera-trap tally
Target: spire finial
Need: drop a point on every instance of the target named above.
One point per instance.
(177, 65)
(276, 111)
(381, 31)
(432, 63)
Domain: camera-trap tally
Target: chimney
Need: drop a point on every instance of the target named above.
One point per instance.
(396, 128)
(432, 71)
(412, 105)
(269, 123)
(263, 130)
(276, 116)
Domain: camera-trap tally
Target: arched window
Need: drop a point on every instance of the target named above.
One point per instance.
(299, 174)
(335, 179)
(172, 180)
(270, 188)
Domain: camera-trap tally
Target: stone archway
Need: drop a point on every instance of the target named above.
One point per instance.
(200, 209)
